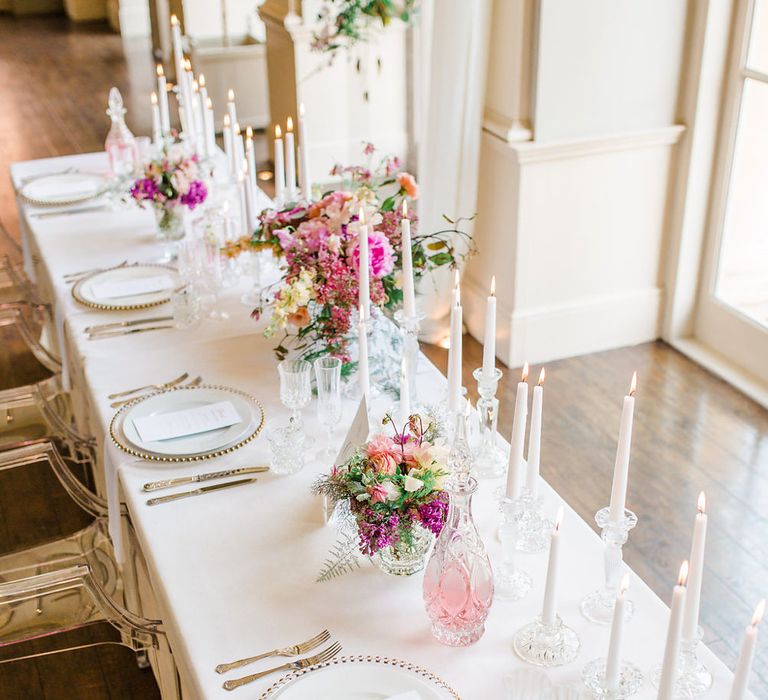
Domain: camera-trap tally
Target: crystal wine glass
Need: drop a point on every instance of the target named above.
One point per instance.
(295, 387)
(328, 375)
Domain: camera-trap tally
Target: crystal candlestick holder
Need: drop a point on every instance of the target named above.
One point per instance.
(409, 334)
(490, 459)
(693, 678)
(533, 529)
(598, 606)
(547, 644)
(629, 682)
(512, 583)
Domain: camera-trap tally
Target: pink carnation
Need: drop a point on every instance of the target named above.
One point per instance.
(383, 452)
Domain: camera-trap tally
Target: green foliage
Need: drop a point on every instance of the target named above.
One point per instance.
(342, 558)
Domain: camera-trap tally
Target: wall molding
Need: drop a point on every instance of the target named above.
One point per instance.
(506, 128)
(537, 152)
(584, 326)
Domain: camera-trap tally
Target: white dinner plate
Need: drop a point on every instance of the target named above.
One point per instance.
(200, 443)
(360, 678)
(89, 291)
(62, 189)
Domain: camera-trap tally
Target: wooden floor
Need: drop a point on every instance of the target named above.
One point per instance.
(692, 431)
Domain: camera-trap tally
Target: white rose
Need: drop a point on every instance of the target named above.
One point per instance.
(393, 492)
(412, 484)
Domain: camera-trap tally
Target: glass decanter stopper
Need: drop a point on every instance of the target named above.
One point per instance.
(458, 582)
(460, 454)
(120, 144)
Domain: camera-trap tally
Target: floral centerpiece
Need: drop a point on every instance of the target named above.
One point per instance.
(394, 489)
(342, 23)
(172, 183)
(313, 305)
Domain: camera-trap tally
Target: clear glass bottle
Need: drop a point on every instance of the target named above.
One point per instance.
(458, 582)
(120, 145)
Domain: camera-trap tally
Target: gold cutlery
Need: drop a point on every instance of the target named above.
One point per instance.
(194, 382)
(181, 480)
(322, 657)
(129, 331)
(295, 650)
(67, 212)
(92, 330)
(149, 387)
(199, 492)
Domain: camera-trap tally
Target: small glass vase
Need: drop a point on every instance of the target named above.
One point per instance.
(406, 557)
(170, 222)
(458, 582)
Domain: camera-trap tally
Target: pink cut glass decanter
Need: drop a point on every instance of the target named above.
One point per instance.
(458, 582)
(121, 145)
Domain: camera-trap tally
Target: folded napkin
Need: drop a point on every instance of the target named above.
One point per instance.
(189, 421)
(132, 287)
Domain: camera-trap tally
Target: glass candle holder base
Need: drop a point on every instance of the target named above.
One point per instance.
(630, 680)
(543, 644)
(491, 462)
(511, 584)
(693, 678)
(598, 607)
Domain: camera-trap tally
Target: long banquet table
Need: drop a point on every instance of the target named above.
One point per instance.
(233, 573)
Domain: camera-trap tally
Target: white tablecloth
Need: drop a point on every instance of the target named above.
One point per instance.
(234, 572)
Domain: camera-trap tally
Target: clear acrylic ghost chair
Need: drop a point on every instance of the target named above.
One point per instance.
(14, 283)
(63, 600)
(29, 318)
(37, 410)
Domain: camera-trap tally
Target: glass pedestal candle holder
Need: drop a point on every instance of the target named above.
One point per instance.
(543, 644)
(409, 334)
(693, 678)
(533, 529)
(598, 606)
(629, 683)
(490, 458)
(511, 583)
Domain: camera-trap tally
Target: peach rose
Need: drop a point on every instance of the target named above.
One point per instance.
(300, 318)
(408, 184)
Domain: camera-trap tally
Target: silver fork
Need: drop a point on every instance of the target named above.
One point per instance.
(195, 382)
(149, 387)
(322, 657)
(295, 650)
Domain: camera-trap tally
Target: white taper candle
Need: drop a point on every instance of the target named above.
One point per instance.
(613, 660)
(744, 665)
(409, 292)
(695, 572)
(669, 666)
(621, 466)
(489, 338)
(549, 606)
(279, 168)
(517, 443)
(290, 162)
(534, 436)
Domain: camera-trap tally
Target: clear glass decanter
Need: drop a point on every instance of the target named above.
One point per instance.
(458, 582)
(120, 145)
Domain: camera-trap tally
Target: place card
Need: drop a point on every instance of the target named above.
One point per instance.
(190, 421)
(357, 433)
(132, 287)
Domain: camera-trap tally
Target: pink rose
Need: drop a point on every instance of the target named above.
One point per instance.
(380, 255)
(383, 453)
(378, 493)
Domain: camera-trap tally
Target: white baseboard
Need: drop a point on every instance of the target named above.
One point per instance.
(566, 330)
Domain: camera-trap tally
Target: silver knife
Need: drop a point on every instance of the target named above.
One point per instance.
(199, 492)
(180, 480)
(126, 324)
(67, 212)
(118, 332)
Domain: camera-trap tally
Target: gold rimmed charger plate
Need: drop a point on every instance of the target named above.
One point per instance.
(164, 298)
(115, 427)
(275, 690)
(70, 201)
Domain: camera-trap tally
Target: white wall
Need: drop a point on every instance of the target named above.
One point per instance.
(573, 223)
(607, 66)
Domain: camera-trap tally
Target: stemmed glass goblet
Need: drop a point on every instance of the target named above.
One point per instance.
(295, 387)
(328, 375)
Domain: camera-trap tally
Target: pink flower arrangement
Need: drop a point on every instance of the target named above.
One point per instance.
(393, 484)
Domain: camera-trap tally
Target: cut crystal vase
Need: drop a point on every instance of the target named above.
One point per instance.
(458, 581)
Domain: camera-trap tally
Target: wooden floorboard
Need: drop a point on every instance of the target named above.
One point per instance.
(692, 430)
